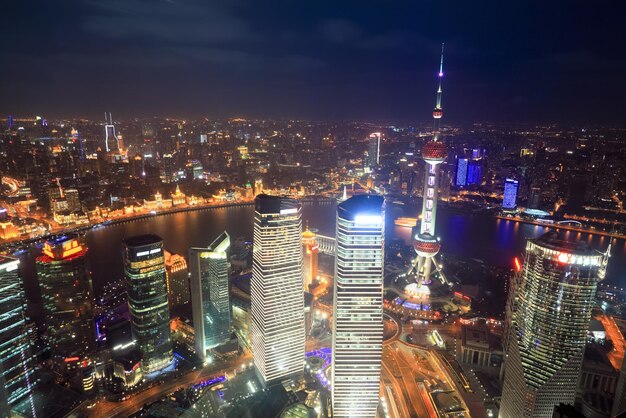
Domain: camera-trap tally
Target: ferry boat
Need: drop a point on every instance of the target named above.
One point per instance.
(406, 221)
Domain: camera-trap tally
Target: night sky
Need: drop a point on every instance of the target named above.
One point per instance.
(511, 61)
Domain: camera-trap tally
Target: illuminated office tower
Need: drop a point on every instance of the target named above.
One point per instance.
(277, 295)
(17, 360)
(210, 300)
(177, 279)
(549, 326)
(509, 201)
(358, 307)
(144, 268)
(462, 165)
(434, 152)
(67, 295)
(373, 153)
(310, 255)
(110, 139)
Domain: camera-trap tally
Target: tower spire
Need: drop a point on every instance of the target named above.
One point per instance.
(438, 111)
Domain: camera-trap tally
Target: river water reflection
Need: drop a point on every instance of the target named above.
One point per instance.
(469, 235)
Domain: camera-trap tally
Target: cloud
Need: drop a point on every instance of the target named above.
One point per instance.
(339, 31)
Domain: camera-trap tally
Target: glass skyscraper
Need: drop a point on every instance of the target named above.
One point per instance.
(17, 361)
(67, 295)
(358, 307)
(509, 201)
(144, 267)
(210, 300)
(549, 323)
(277, 294)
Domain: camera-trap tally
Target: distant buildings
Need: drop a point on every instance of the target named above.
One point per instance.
(277, 297)
(66, 291)
(509, 201)
(549, 326)
(210, 298)
(144, 267)
(358, 307)
(17, 363)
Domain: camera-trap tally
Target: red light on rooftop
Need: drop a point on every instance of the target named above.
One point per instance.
(563, 258)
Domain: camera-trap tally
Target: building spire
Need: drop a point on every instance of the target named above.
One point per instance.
(438, 111)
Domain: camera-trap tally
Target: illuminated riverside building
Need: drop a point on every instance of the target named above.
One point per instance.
(310, 256)
(277, 297)
(549, 326)
(66, 291)
(210, 300)
(426, 244)
(509, 201)
(358, 307)
(144, 268)
(17, 361)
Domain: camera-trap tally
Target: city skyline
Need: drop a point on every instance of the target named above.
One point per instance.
(226, 209)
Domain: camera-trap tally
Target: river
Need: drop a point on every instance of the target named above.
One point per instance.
(469, 235)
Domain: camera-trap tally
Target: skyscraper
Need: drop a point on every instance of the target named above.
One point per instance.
(210, 300)
(509, 201)
(110, 139)
(310, 256)
(16, 355)
(144, 268)
(434, 153)
(358, 307)
(67, 294)
(549, 326)
(373, 153)
(277, 295)
(461, 171)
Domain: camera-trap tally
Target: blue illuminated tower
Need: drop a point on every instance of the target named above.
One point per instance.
(509, 201)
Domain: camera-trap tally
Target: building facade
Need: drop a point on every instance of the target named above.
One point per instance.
(277, 295)
(67, 295)
(358, 307)
(17, 362)
(144, 268)
(509, 200)
(310, 253)
(549, 326)
(210, 296)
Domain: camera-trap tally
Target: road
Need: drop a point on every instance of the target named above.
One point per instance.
(105, 408)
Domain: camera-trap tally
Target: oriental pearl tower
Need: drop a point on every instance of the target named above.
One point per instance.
(425, 243)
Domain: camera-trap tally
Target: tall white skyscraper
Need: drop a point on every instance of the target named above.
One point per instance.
(277, 294)
(210, 300)
(358, 307)
(549, 323)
